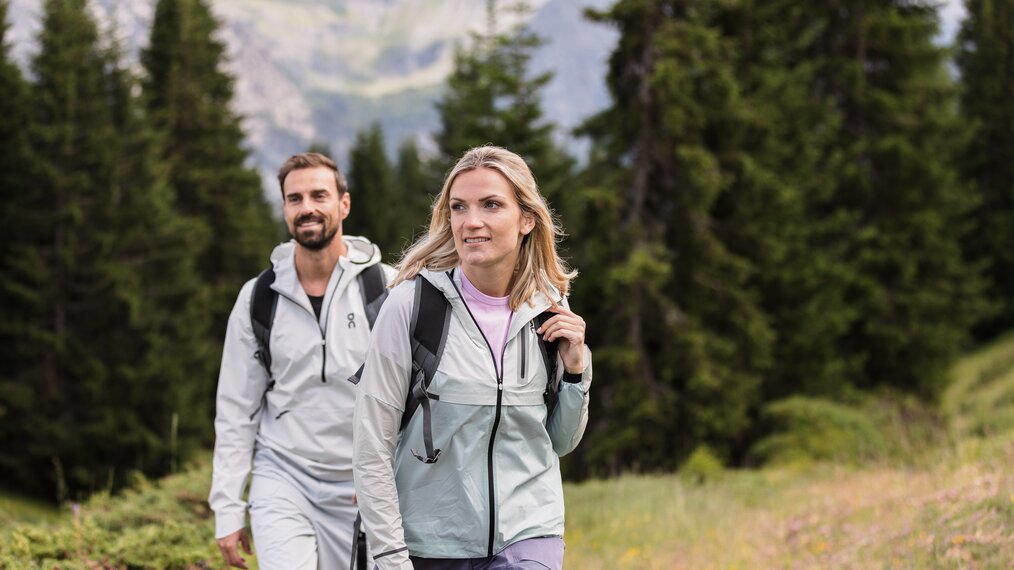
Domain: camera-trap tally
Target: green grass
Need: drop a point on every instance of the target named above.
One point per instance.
(953, 507)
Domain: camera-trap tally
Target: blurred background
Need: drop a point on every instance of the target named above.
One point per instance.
(792, 222)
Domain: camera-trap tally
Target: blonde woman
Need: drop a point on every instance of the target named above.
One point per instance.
(487, 492)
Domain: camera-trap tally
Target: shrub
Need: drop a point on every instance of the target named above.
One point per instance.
(876, 429)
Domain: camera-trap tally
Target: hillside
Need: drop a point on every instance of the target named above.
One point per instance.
(951, 507)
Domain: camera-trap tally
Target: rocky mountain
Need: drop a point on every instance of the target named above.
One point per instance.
(319, 70)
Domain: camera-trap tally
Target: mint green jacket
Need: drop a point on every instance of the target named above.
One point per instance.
(497, 480)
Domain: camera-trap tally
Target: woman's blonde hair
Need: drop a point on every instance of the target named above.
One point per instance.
(539, 268)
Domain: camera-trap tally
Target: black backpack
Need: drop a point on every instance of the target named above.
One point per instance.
(431, 315)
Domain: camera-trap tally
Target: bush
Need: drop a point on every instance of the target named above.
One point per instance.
(877, 429)
(158, 525)
(702, 466)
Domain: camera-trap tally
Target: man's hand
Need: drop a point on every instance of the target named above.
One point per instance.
(230, 551)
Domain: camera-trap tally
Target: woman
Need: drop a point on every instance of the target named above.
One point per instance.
(491, 496)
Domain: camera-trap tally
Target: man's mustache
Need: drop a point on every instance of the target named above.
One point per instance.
(310, 218)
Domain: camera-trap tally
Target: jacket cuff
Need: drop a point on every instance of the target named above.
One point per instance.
(228, 523)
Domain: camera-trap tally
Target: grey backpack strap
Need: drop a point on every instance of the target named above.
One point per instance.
(373, 285)
(431, 315)
(548, 351)
(263, 304)
(358, 561)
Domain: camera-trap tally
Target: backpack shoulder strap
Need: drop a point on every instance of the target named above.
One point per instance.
(263, 303)
(373, 285)
(431, 315)
(548, 351)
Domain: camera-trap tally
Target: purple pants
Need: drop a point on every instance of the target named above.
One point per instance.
(532, 554)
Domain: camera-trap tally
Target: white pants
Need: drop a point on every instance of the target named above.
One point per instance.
(301, 523)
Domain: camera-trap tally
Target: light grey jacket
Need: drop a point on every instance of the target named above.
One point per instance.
(497, 480)
(305, 419)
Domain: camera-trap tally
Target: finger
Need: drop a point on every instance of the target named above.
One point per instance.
(244, 539)
(571, 320)
(559, 309)
(232, 557)
(557, 323)
(573, 334)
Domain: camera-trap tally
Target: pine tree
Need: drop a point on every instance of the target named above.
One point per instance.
(985, 45)
(780, 214)
(164, 317)
(418, 185)
(376, 204)
(492, 98)
(189, 98)
(61, 277)
(914, 293)
(677, 319)
(23, 217)
(111, 347)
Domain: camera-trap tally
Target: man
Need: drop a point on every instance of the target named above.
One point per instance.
(296, 422)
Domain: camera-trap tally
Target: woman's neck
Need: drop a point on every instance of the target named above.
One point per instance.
(489, 282)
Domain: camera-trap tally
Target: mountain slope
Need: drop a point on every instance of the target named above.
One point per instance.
(319, 70)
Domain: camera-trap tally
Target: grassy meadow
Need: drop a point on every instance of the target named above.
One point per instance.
(950, 505)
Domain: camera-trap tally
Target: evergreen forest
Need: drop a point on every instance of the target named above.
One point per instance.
(787, 207)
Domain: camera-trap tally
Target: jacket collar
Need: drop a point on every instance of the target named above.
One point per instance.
(449, 283)
(360, 254)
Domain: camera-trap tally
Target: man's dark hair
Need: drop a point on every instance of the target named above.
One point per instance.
(311, 160)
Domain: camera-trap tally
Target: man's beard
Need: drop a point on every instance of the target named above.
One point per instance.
(317, 240)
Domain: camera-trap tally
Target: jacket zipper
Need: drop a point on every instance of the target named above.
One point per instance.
(496, 419)
(323, 335)
(323, 338)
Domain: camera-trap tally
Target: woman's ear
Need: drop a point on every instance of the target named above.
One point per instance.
(527, 223)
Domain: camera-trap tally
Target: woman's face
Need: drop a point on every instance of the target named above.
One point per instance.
(487, 222)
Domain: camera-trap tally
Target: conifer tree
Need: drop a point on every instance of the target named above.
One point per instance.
(418, 185)
(189, 99)
(914, 294)
(105, 288)
(163, 315)
(23, 211)
(377, 204)
(677, 319)
(778, 214)
(61, 276)
(493, 98)
(986, 45)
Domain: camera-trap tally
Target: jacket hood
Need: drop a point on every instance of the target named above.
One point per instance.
(360, 251)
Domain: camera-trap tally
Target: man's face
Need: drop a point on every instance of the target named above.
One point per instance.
(313, 209)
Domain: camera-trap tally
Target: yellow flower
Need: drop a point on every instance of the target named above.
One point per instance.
(958, 539)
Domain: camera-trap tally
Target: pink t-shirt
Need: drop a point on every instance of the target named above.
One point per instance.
(493, 314)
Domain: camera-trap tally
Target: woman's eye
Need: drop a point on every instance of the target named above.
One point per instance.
(492, 204)
(457, 207)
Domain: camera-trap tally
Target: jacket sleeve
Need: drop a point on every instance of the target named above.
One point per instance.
(567, 424)
(242, 382)
(380, 401)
